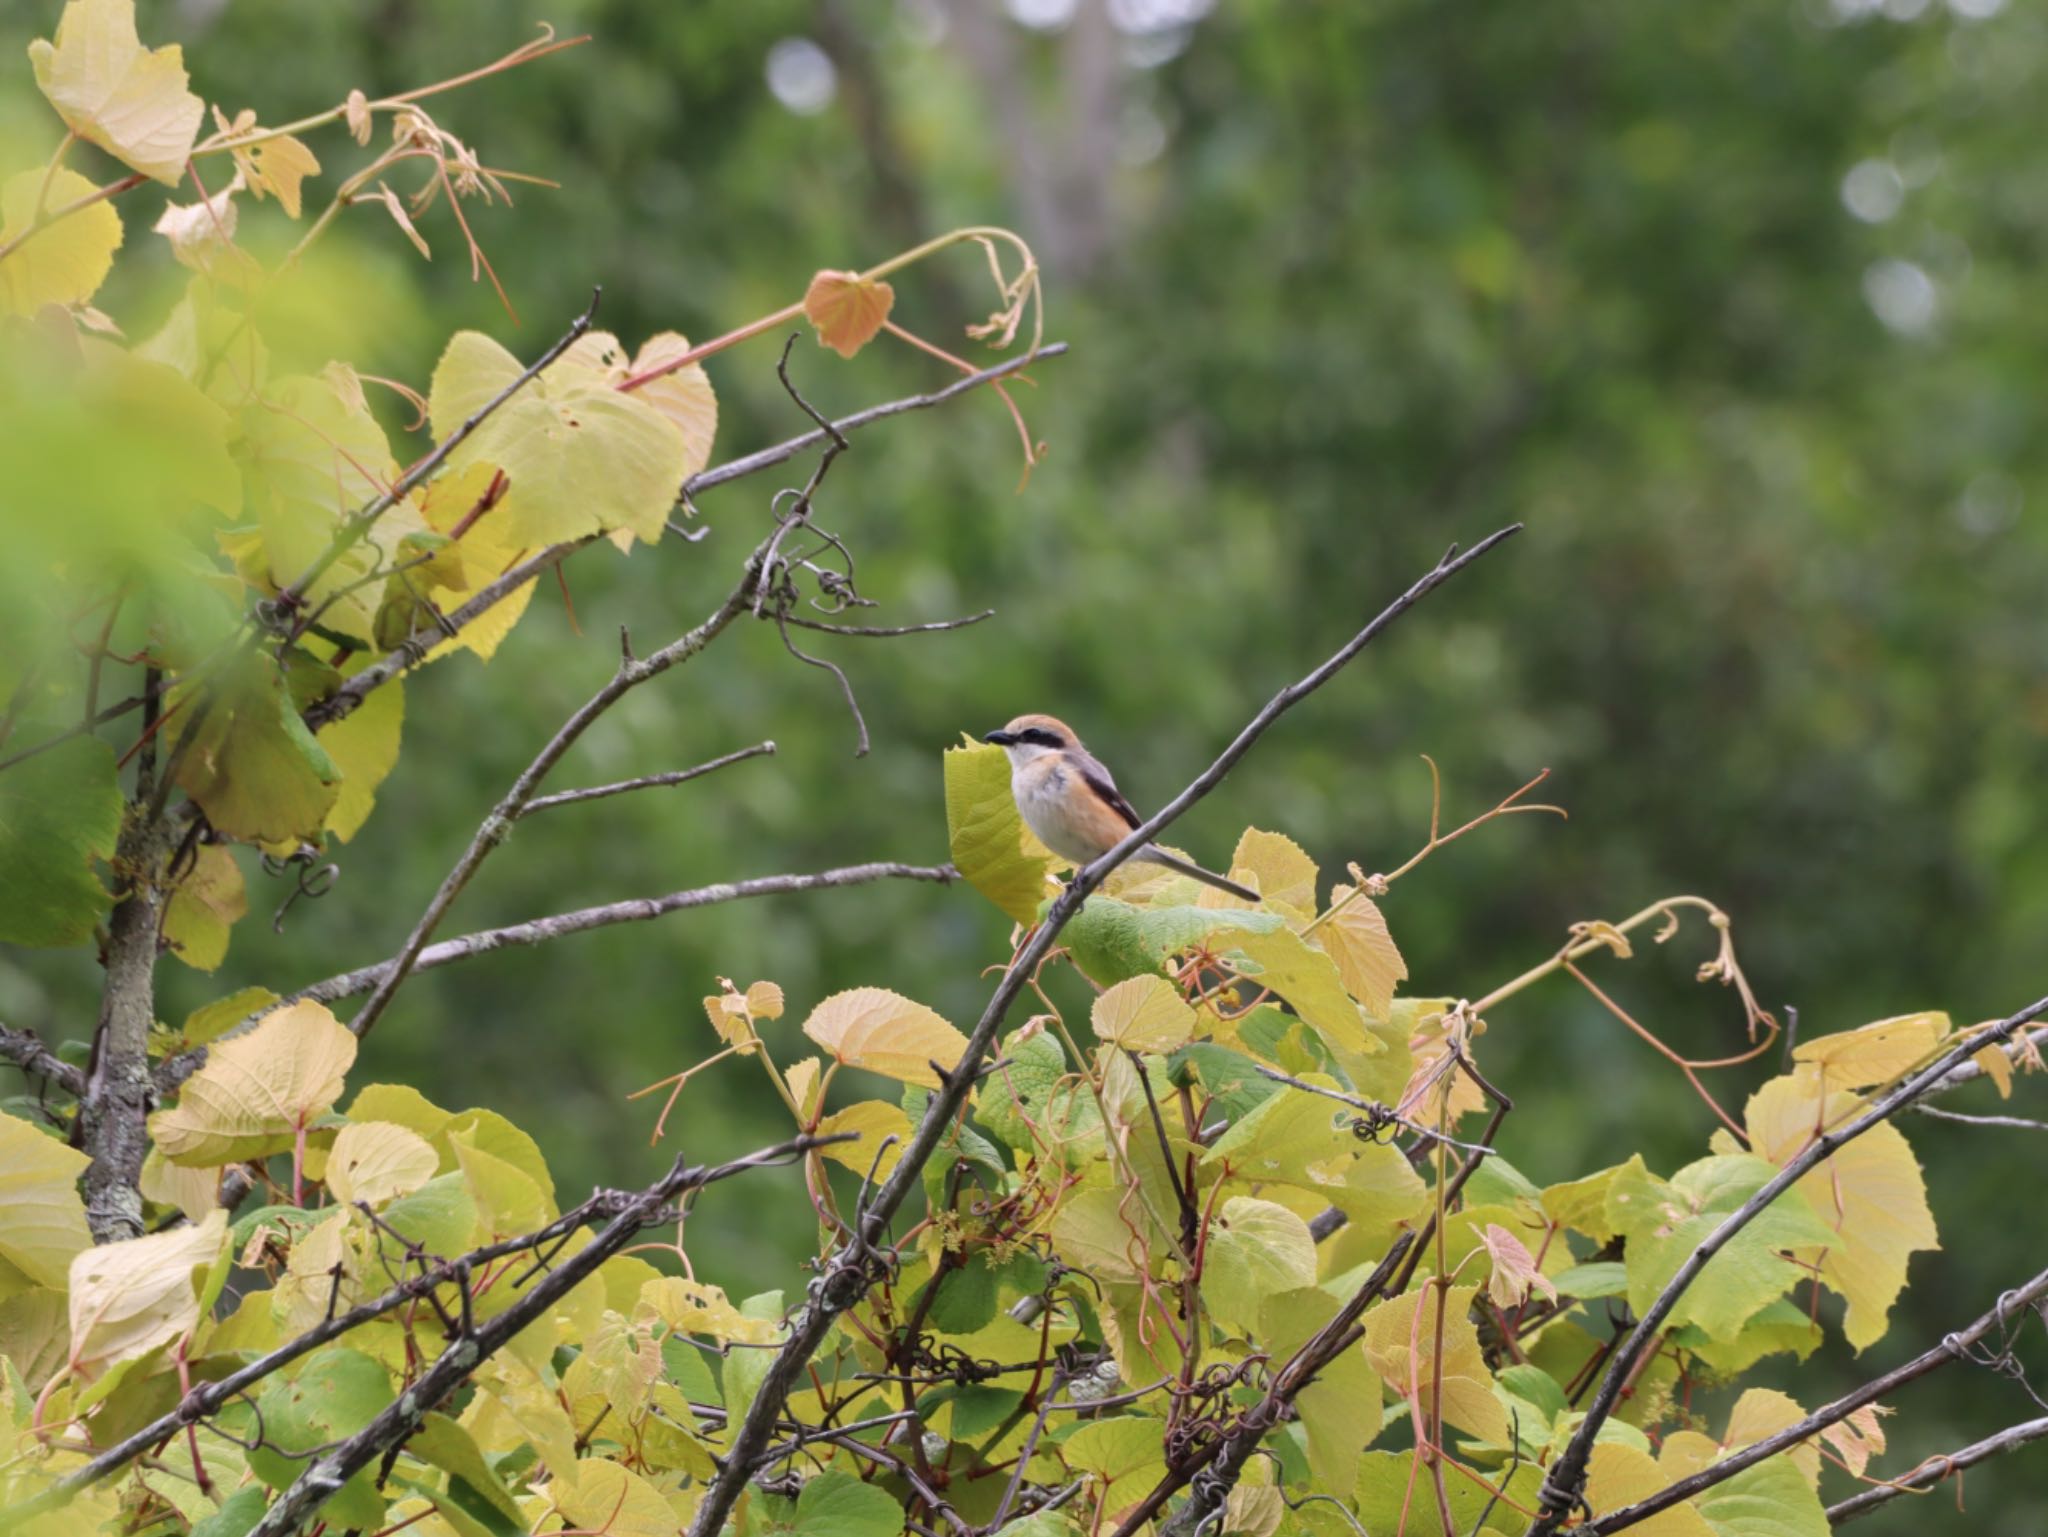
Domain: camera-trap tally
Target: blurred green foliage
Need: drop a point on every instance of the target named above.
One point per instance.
(1736, 306)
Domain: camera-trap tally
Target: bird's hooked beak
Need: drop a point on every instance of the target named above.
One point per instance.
(1000, 738)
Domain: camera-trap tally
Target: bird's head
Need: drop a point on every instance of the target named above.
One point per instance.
(1028, 736)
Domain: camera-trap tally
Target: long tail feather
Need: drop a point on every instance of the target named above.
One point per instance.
(1156, 855)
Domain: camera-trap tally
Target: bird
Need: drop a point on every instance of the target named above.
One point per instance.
(1070, 801)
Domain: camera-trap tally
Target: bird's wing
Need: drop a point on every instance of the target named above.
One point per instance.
(1096, 777)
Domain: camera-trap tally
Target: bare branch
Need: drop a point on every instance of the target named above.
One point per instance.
(1561, 1489)
(782, 453)
(931, 628)
(637, 910)
(1954, 1347)
(1936, 1468)
(649, 781)
(25, 1049)
(845, 1277)
(2014, 1122)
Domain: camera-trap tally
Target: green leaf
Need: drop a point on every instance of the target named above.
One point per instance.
(836, 1504)
(1111, 940)
(292, 1220)
(1768, 1500)
(237, 1516)
(1389, 1482)
(1341, 1409)
(1782, 1327)
(42, 1220)
(60, 811)
(1230, 1078)
(1664, 1223)
(966, 1298)
(251, 764)
(1254, 1249)
(1143, 1014)
(743, 1371)
(444, 1444)
(579, 456)
(683, 1364)
(1018, 1095)
(336, 1393)
(1116, 1448)
(990, 844)
(1604, 1278)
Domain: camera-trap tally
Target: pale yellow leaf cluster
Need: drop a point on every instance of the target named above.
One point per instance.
(1356, 938)
(257, 1091)
(886, 1033)
(127, 1298)
(129, 100)
(377, 1161)
(1143, 1014)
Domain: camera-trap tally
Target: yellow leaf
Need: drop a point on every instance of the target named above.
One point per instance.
(802, 1078)
(1858, 1438)
(129, 100)
(508, 1200)
(1277, 868)
(1308, 980)
(277, 166)
(1095, 1231)
(257, 1091)
(596, 1495)
(886, 1033)
(764, 1000)
(42, 1221)
(375, 1161)
(64, 263)
(128, 1298)
(1143, 1014)
(1871, 1192)
(580, 457)
(1762, 1412)
(988, 840)
(209, 901)
(847, 309)
(252, 765)
(1878, 1053)
(195, 1192)
(364, 748)
(1367, 958)
(1997, 1067)
(685, 397)
(1618, 1475)
(692, 1307)
(1254, 1249)
(875, 1120)
(1403, 1350)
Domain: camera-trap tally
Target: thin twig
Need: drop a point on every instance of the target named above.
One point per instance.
(2017, 1123)
(846, 1276)
(649, 781)
(348, 984)
(1936, 1468)
(933, 628)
